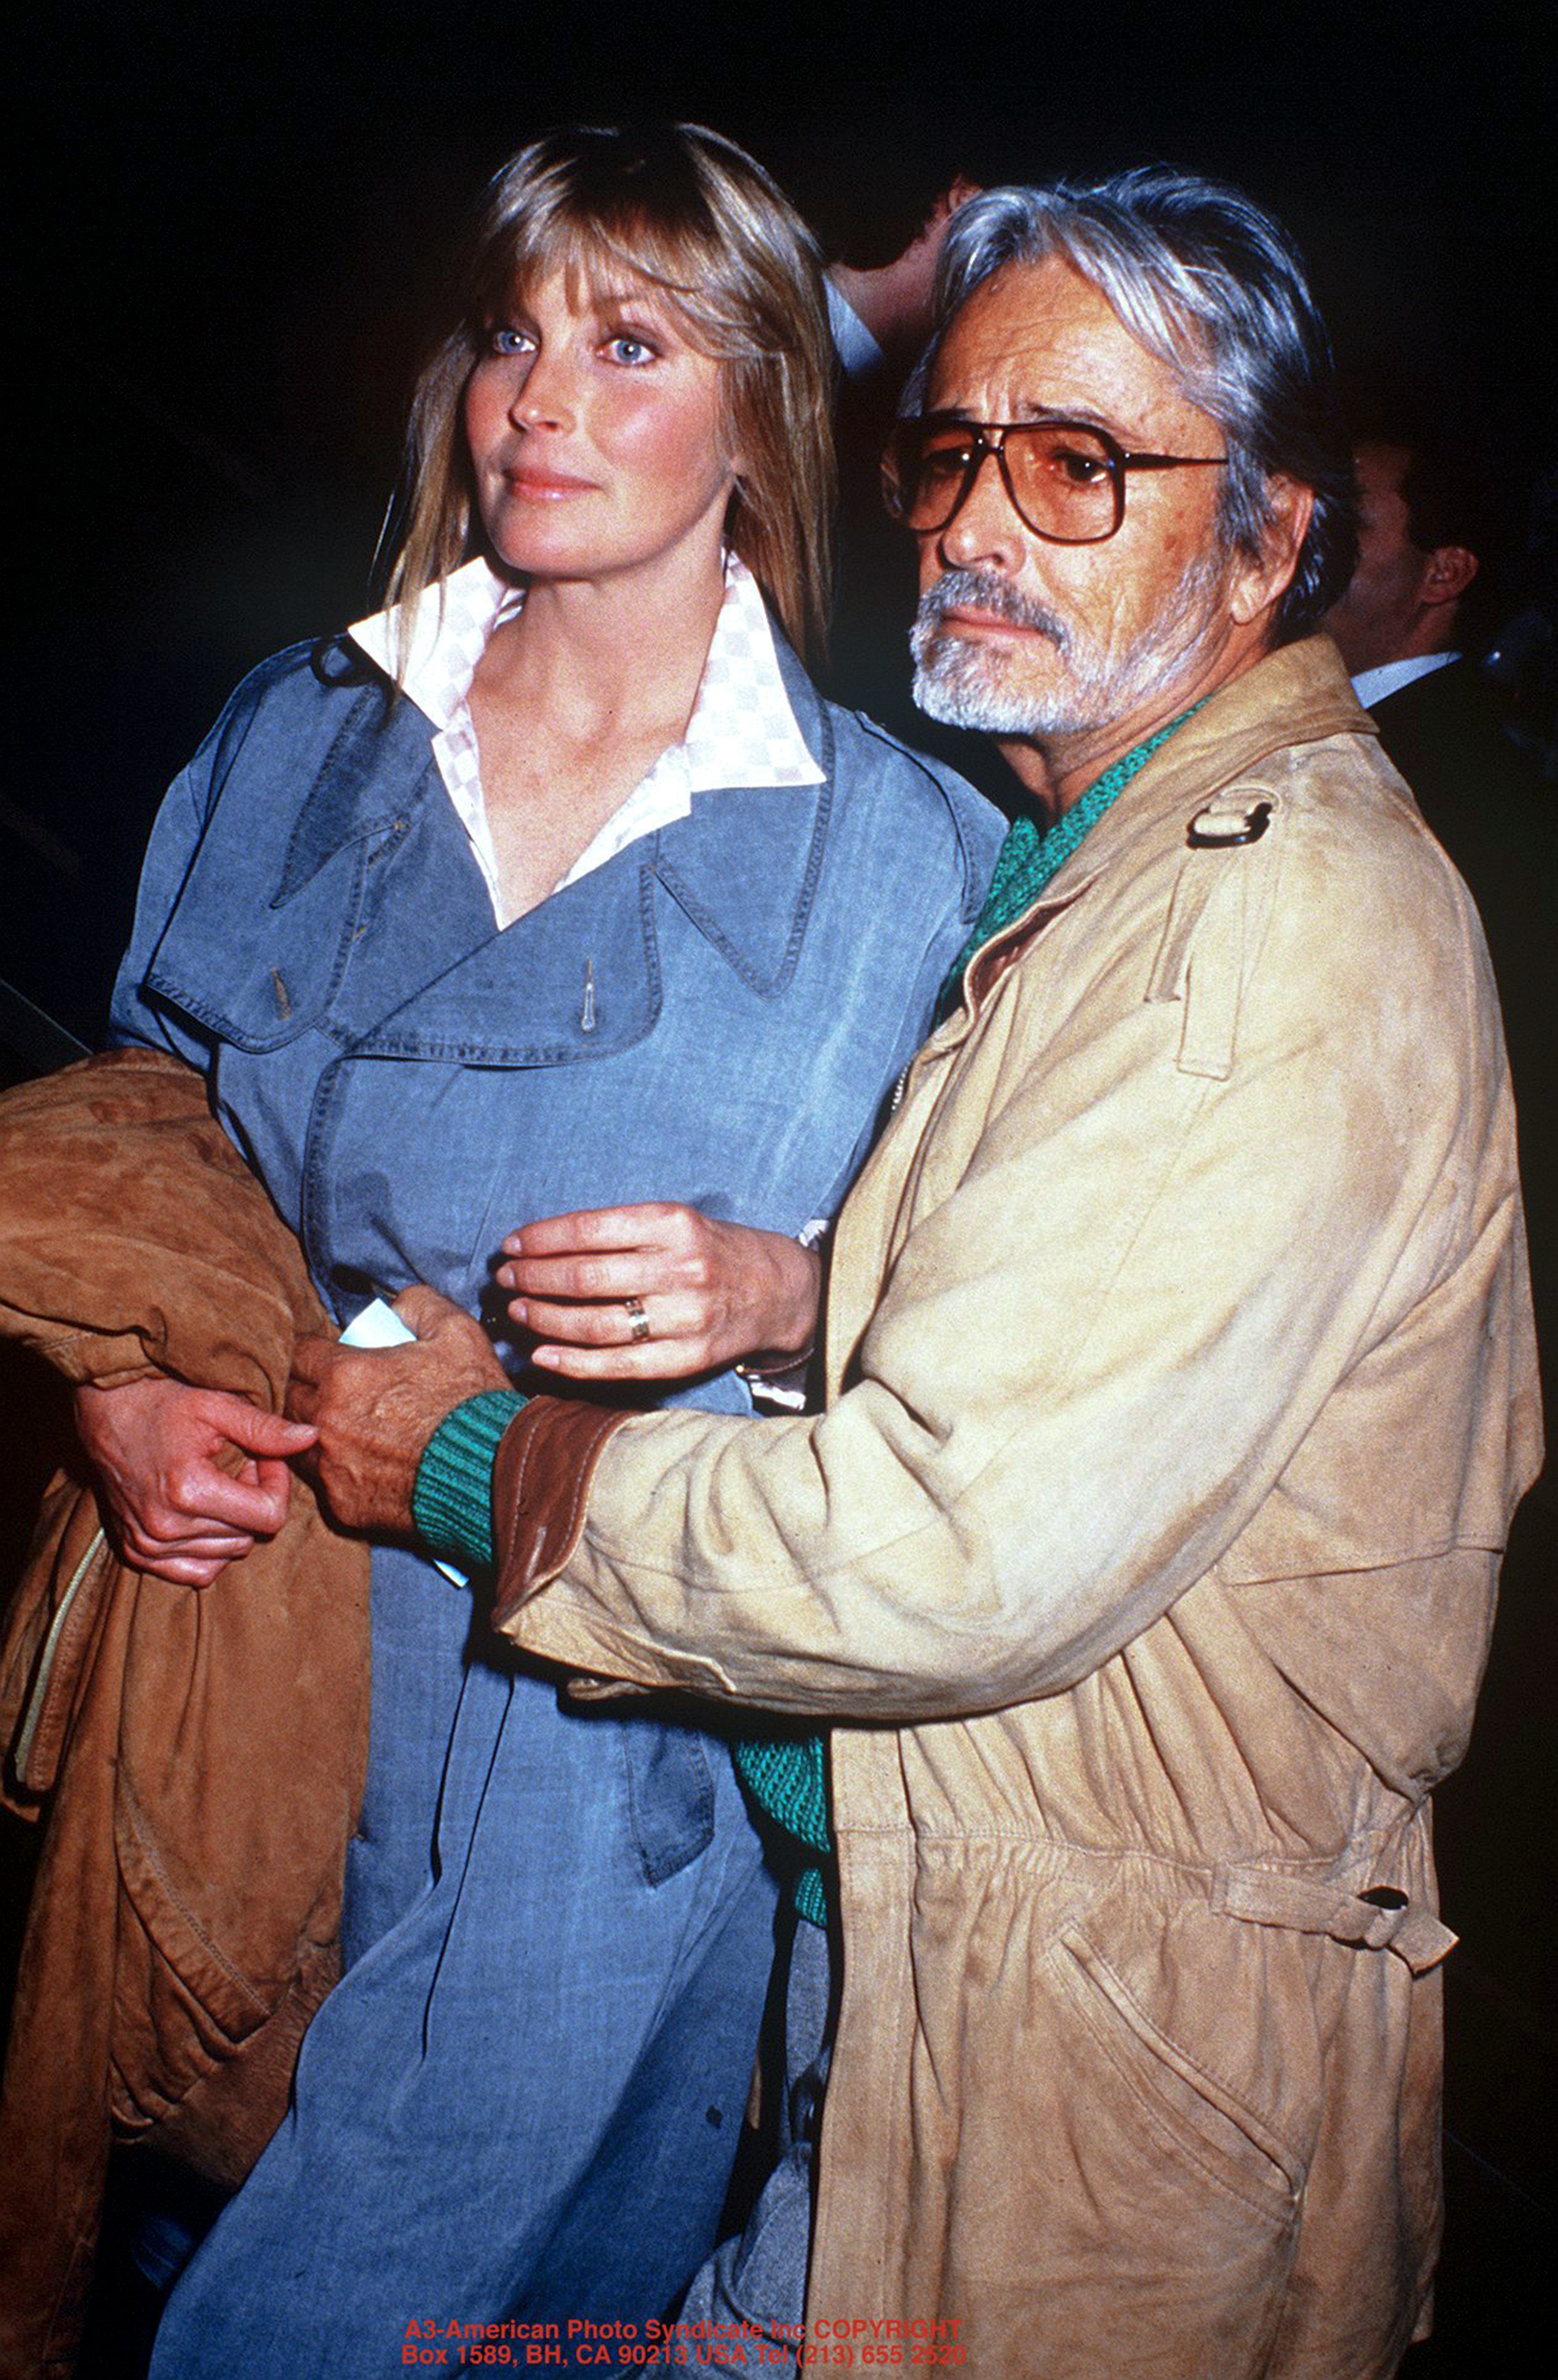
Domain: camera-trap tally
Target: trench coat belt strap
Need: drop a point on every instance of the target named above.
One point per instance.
(1377, 1917)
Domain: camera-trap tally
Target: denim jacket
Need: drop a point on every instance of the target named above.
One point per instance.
(715, 1016)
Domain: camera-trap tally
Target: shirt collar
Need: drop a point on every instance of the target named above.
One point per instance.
(448, 637)
(860, 350)
(1373, 685)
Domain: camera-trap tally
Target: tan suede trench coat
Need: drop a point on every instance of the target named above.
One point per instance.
(1182, 1389)
(195, 1757)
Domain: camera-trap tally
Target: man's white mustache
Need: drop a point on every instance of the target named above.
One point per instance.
(986, 590)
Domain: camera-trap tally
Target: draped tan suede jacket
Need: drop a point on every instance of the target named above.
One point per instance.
(193, 1756)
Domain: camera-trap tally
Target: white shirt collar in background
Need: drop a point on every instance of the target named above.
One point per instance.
(860, 350)
(742, 730)
(1373, 685)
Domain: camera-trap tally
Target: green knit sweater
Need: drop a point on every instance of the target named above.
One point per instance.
(786, 1776)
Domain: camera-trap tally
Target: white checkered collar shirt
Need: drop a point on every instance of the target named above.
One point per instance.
(743, 731)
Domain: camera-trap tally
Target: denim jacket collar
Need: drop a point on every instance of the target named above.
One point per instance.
(378, 769)
(744, 874)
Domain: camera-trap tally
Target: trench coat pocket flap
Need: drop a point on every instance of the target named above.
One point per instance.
(670, 1797)
(264, 927)
(226, 965)
(576, 978)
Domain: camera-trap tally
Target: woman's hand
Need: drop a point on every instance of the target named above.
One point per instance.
(191, 1476)
(657, 1291)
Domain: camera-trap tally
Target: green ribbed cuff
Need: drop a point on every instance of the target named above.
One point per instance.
(451, 1501)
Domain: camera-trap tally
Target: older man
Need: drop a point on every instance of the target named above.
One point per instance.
(1180, 1387)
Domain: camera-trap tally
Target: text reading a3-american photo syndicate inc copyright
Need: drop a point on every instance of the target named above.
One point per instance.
(871, 2343)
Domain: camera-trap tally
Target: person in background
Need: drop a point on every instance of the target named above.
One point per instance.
(881, 304)
(1407, 623)
(881, 312)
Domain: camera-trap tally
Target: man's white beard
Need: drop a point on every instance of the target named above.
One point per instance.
(971, 682)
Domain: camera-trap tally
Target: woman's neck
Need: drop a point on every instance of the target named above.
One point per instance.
(604, 658)
(573, 701)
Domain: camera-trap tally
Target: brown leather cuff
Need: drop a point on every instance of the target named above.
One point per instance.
(540, 1487)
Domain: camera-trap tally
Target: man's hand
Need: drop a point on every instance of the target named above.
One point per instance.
(896, 301)
(191, 1477)
(374, 1409)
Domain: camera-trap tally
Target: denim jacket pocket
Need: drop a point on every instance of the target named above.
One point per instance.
(670, 1795)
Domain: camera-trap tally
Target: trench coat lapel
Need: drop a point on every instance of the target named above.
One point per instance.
(377, 773)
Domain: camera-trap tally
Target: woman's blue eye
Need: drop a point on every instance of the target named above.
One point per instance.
(626, 348)
(503, 339)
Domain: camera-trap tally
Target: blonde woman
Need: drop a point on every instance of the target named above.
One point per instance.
(555, 892)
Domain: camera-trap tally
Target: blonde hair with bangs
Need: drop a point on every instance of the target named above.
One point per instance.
(700, 223)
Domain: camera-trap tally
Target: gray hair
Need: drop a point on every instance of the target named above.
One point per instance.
(1211, 284)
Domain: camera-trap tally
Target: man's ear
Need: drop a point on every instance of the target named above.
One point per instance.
(1450, 569)
(1258, 582)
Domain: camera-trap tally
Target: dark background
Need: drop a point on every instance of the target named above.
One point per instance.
(227, 235)
(231, 225)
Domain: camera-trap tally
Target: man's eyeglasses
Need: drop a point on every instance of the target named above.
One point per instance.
(1066, 480)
